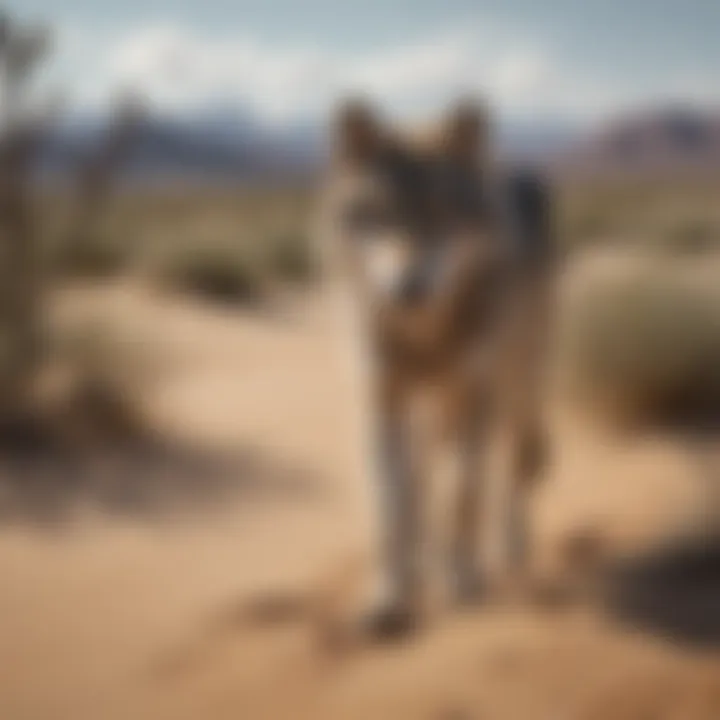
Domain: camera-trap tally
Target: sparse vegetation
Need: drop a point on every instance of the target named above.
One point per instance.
(649, 347)
(679, 215)
(228, 245)
(645, 346)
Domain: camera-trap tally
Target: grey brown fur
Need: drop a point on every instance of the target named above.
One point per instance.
(450, 269)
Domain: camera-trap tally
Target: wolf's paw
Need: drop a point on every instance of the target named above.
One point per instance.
(390, 623)
(372, 622)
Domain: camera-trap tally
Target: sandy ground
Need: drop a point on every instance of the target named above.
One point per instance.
(144, 598)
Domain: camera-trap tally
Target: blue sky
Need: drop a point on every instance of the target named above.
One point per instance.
(288, 59)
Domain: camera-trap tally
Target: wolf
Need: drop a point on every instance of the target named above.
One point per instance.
(444, 262)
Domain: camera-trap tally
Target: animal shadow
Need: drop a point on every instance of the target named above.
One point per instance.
(144, 480)
(672, 590)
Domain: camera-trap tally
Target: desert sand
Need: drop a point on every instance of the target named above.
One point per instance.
(178, 586)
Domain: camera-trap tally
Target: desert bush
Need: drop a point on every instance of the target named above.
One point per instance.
(691, 235)
(219, 270)
(590, 226)
(99, 256)
(96, 381)
(646, 349)
(289, 257)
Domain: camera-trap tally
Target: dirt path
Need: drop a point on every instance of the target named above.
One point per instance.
(137, 607)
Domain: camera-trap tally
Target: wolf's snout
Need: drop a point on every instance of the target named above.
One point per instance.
(413, 289)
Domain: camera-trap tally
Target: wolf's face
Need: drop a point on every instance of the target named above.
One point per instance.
(411, 217)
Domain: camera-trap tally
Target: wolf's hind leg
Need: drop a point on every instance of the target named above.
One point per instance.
(465, 548)
(529, 462)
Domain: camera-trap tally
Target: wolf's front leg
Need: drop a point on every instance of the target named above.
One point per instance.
(466, 565)
(398, 605)
(524, 455)
(529, 461)
(386, 471)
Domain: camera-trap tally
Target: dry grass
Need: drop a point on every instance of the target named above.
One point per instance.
(691, 234)
(270, 226)
(224, 245)
(645, 345)
(98, 256)
(645, 348)
(680, 215)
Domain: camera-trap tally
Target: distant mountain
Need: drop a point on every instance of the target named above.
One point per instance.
(672, 139)
(537, 140)
(209, 147)
(223, 145)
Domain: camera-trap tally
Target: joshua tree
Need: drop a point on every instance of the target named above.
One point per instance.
(22, 50)
(22, 130)
(97, 174)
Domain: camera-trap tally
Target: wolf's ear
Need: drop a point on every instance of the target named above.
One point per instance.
(357, 135)
(467, 130)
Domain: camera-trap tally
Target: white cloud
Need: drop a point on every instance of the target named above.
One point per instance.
(180, 68)
(417, 68)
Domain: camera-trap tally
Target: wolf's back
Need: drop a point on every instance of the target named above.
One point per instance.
(527, 208)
